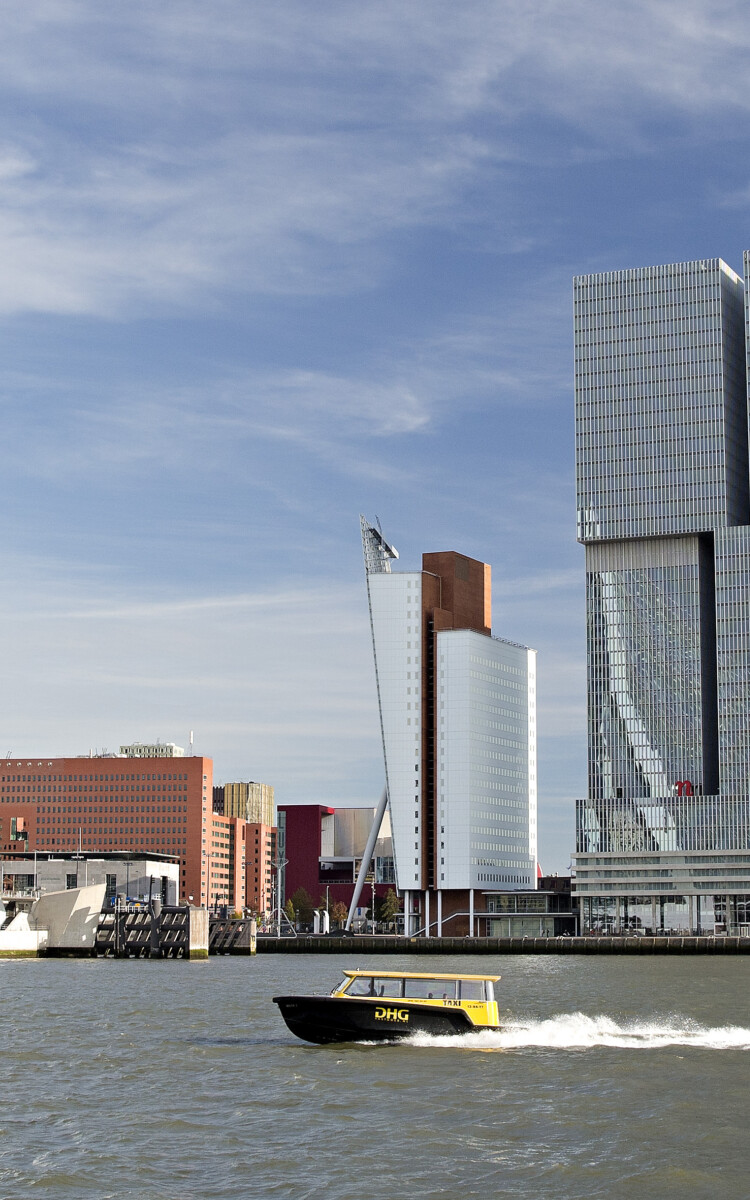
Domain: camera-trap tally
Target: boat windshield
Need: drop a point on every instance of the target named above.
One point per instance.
(371, 985)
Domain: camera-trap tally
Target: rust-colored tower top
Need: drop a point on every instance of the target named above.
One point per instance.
(464, 591)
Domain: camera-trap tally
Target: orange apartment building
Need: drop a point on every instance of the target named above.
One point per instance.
(260, 857)
(111, 803)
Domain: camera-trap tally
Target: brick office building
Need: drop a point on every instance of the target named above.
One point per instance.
(260, 857)
(239, 863)
(161, 804)
(112, 803)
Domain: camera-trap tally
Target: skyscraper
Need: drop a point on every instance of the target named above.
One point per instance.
(458, 721)
(664, 513)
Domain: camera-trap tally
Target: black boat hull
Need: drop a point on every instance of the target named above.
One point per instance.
(326, 1019)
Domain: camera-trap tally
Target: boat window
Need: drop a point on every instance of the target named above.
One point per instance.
(472, 989)
(430, 989)
(387, 987)
(361, 987)
(374, 985)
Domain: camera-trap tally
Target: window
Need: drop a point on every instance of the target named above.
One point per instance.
(430, 989)
(374, 986)
(472, 989)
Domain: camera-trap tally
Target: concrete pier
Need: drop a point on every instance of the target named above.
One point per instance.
(171, 931)
(232, 936)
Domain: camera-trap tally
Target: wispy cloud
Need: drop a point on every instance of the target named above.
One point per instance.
(276, 685)
(279, 151)
(348, 421)
(332, 247)
(541, 582)
(283, 605)
(112, 230)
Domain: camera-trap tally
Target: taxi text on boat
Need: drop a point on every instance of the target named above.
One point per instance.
(383, 1005)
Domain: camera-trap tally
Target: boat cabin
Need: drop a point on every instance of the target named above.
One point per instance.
(475, 994)
(417, 986)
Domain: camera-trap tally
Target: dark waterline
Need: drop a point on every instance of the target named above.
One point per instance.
(173, 1081)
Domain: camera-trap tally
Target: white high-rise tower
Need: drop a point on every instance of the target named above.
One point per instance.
(458, 721)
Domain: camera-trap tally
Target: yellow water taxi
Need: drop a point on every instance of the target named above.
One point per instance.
(372, 1006)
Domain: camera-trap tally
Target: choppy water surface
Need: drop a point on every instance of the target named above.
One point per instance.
(177, 1081)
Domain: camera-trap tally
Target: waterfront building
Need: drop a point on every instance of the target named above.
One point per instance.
(112, 803)
(663, 496)
(260, 859)
(127, 876)
(547, 911)
(321, 850)
(458, 721)
(253, 805)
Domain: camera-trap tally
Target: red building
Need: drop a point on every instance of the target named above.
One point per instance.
(112, 803)
(323, 848)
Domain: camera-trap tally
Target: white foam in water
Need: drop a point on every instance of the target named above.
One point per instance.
(576, 1031)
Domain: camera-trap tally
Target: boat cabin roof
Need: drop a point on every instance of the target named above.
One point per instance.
(418, 975)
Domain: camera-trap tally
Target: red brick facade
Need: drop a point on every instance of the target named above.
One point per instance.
(260, 855)
(160, 805)
(141, 804)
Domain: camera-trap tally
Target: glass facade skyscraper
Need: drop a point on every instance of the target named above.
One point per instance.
(663, 495)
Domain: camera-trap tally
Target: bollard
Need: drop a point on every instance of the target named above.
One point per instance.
(154, 939)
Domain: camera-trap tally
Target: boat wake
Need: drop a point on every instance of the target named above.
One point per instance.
(576, 1031)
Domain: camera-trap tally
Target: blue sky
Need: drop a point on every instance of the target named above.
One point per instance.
(266, 267)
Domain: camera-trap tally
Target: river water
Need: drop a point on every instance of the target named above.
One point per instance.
(613, 1077)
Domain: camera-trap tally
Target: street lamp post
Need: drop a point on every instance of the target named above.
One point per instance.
(279, 865)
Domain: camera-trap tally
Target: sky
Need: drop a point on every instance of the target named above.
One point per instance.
(268, 267)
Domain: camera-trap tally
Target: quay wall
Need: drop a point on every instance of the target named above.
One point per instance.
(374, 944)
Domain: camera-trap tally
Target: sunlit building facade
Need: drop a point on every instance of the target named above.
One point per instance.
(131, 803)
(458, 722)
(663, 495)
(251, 801)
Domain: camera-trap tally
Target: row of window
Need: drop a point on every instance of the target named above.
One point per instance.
(24, 778)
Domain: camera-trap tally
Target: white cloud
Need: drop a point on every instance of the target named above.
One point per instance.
(160, 155)
(111, 230)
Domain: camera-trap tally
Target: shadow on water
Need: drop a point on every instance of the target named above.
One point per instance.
(236, 1041)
